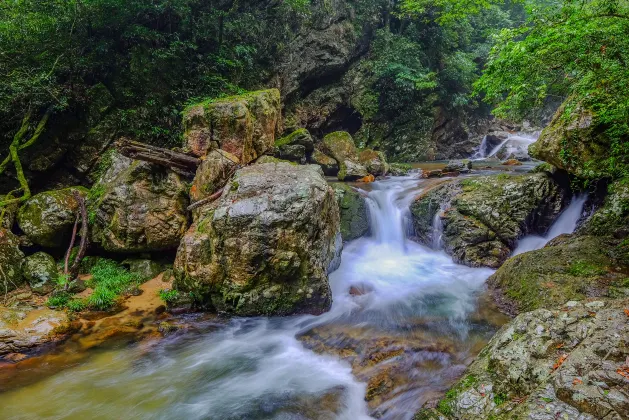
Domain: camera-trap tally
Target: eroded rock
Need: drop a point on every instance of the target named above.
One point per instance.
(213, 173)
(11, 260)
(40, 269)
(354, 212)
(266, 246)
(374, 161)
(26, 327)
(342, 148)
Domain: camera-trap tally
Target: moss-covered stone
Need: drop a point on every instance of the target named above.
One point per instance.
(400, 169)
(568, 268)
(575, 142)
(327, 164)
(11, 260)
(47, 218)
(266, 245)
(354, 212)
(243, 125)
(483, 217)
(300, 137)
(374, 161)
(341, 146)
(213, 173)
(41, 272)
(612, 218)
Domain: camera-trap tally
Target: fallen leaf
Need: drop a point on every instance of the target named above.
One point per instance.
(627, 312)
(577, 381)
(560, 345)
(559, 362)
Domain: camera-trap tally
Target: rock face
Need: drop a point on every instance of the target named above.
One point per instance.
(47, 218)
(297, 146)
(568, 268)
(40, 269)
(343, 150)
(265, 247)
(25, 327)
(483, 217)
(11, 260)
(579, 133)
(354, 212)
(611, 219)
(567, 363)
(138, 207)
(212, 174)
(375, 162)
(243, 125)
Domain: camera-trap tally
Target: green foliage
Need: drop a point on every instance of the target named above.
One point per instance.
(168, 296)
(109, 281)
(585, 269)
(58, 300)
(500, 398)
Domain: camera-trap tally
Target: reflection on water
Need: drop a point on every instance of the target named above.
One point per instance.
(404, 323)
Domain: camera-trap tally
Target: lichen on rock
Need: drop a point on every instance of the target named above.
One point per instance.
(47, 218)
(40, 269)
(266, 246)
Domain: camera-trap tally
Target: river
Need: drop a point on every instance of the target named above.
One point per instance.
(404, 323)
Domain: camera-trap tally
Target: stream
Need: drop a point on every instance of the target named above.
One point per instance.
(404, 324)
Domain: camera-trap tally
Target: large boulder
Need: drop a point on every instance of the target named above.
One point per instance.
(265, 247)
(11, 260)
(243, 125)
(574, 141)
(342, 148)
(47, 218)
(40, 269)
(566, 363)
(354, 212)
(213, 173)
(138, 207)
(482, 218)
(296, 146)
(328, 165)
(568, 268)
(374, 161)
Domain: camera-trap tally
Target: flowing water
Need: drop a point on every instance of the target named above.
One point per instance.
(404, 323)
(517, 143)
(565, 223)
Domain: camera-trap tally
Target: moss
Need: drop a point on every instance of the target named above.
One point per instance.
(500, 398)
(445, 405)
(291, 137)
(585, 269)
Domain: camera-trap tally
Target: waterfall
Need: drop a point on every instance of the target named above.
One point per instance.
(516, 144)
(566, 223)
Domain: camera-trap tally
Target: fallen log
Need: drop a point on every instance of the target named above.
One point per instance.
(177, 161)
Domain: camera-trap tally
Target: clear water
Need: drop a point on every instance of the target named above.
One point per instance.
(514, 143)
(402, 339)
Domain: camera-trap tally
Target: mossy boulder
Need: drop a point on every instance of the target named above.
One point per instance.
(400, 169)
(11, 260)
(266, 246)
(574, 141)
(138, 207)
(374, 161)
(568, 268)
(243, 125)
(213, 173)
(353, 210)
(40, 269)
(341, 147)
(47, 218)
(565, 363)
(328, 165)
(612, 218)
(483, 217)
(297, 146)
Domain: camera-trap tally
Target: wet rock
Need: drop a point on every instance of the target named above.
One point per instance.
(11, 260)
(243, 125)
(612, 218)
(327, 164)
(265, 247)
(568, 268)
(144, 269)
(213, 173)
(400, 169)
(47, 218)
(548, 364)
(461, 166)
(483, 217)
(435, 173)
(40, 269)
(342, 148)
(581, 136)
(25, 327)
(354, 212)
(374, 161)
(512, 162)
(138, 207)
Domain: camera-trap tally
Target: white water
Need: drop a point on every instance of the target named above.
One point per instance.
(517, 143)
(565, 223)
(258, 369)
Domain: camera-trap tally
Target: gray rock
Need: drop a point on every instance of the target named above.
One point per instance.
(354, 212)
(138, 207)
(40, 269)
(265, 247)
(342, 148)
(328, 165)
(462, 166)
(213, 173)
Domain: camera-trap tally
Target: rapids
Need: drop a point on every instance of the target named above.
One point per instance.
(404, 323)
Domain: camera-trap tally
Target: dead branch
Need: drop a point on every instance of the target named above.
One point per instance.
(73, 272)
(206, 200)
(158, 155)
